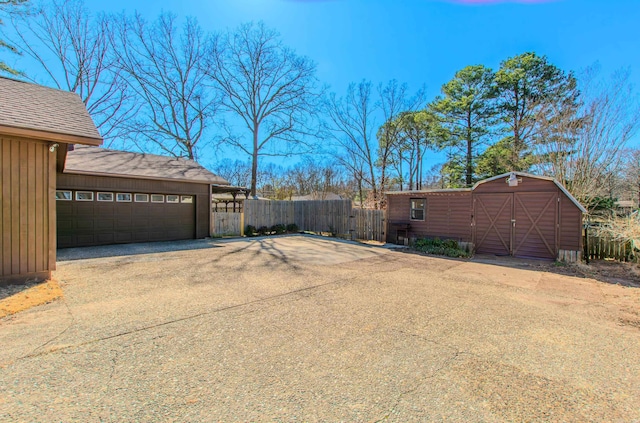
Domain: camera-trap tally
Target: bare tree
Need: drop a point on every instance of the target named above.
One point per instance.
(266, 87)
(72, 49)
(584, 150)
(165, 68)
(394, 100)
(10, 8)
(352, 124)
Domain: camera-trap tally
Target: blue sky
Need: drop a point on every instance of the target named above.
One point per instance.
(425, 41)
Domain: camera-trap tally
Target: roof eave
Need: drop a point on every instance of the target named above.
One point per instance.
(152, 178)
(48, 135)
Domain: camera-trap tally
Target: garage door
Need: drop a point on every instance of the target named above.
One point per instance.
(83, 220)
(518, 224)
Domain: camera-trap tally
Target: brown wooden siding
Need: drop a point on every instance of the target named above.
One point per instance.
(145, 186)
(570, 228)
(27, 211)
(447, 215)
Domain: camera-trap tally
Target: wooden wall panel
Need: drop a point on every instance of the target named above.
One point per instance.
(570, 230)
(447, 215)
(27, 249)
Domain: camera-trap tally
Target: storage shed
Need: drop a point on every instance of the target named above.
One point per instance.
(515, 214)
(36, 124)
(111, 197)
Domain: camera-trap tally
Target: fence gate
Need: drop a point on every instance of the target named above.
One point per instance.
(226, 224)
(368, 225)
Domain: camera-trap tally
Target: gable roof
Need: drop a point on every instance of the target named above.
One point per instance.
(544, 178)
(493, 178)
(98, 161)
(34, 111)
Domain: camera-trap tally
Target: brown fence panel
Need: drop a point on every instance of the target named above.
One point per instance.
(226, 224)
(369, 224)
(605, 248)
(330, 216)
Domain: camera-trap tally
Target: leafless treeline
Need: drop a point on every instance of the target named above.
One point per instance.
(167, 86)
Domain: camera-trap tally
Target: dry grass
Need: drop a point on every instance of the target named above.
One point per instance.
(619, 228)
(34, 296)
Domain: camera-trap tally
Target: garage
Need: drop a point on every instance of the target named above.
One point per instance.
(113, 197)
(513, 214)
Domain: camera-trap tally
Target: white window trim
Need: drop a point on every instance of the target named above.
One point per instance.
(84, 192)
(106, 201)
(124, 201)
(135, 198)
(190, 197)
(64, 199)
(177, 200)
(424, 209)
(157, 201)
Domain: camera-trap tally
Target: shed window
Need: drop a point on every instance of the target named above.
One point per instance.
(84, 196)
(417, 208)
(105, 196)
(141, 198)
(123, 197)
(173, 199)
(186, 199)
(157, 198)
(64, 195)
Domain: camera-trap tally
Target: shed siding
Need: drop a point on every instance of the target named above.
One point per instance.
(27, 247)
(447, 215)
(570, 230)
(145, 186)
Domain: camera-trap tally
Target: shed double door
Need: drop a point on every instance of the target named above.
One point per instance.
(521, 224)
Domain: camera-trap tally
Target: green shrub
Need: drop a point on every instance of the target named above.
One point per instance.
(250, 230)
(447, 247)
(292, 228)
(278, 229)
(263, 230)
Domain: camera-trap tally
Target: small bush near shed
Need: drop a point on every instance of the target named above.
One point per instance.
(250, 230)
(263, 230)
(447, 247)
(278, 229)
(292, 228)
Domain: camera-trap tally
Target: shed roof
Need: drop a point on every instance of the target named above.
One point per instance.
(98, 161)
(34, 111)
(545, 178)
(504, 175)
(428, 191)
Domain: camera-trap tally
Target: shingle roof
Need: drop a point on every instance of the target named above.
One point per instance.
(101, 161)
(37, 108)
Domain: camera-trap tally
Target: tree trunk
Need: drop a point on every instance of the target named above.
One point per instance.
(254, 164)
(469, 170)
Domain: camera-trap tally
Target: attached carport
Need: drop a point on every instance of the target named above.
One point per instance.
(113, 197)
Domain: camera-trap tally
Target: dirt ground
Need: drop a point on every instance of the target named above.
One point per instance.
(302, 328)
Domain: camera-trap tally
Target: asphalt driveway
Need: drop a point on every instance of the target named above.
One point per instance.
(309, 329)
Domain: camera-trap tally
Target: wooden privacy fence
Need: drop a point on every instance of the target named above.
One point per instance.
(368, 224)
(226, 224)
(337, 217)
(606, 248)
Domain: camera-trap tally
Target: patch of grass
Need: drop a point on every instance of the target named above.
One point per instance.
(440, 247)
(34, 296)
